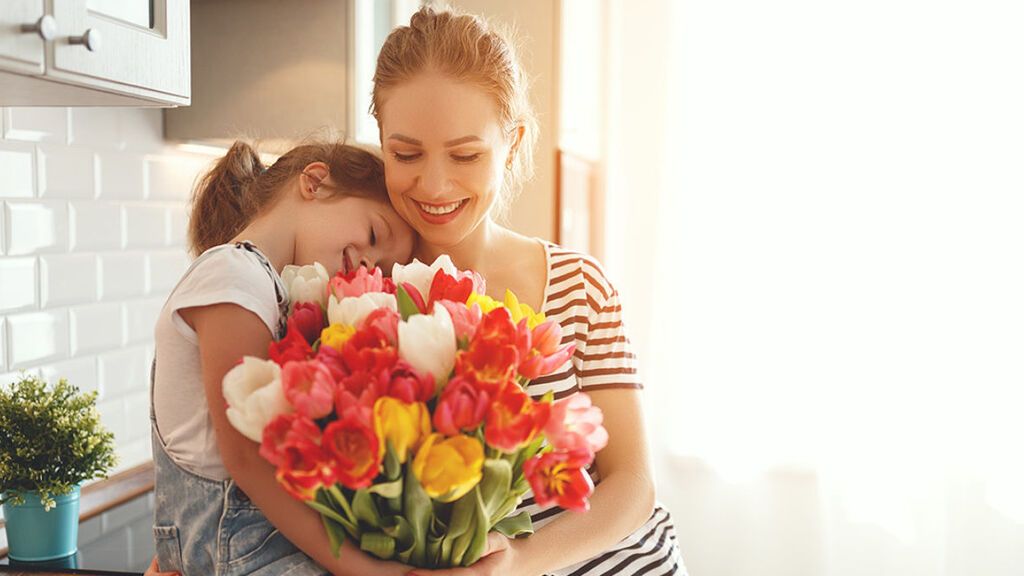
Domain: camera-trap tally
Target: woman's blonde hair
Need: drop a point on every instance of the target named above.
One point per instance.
(239, 186)
(467, 49)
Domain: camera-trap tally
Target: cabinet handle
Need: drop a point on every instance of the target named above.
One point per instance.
(46, 27)
(91, 40)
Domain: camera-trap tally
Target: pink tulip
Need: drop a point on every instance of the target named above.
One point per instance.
(309, 387)
(575, 424)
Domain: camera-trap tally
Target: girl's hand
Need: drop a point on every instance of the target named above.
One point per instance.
(498, 560)
(154, 570)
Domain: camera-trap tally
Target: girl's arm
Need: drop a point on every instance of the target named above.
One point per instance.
(621, 503)
(226, 333)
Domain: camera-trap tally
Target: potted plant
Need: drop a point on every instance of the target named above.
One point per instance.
(52, 441)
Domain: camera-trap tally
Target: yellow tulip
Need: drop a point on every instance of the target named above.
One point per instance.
(336, 335)
(449, 467)
(485, 302)
(520, 311)
(404, 424)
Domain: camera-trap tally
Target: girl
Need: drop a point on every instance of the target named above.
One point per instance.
(456, 126)
(219, 509)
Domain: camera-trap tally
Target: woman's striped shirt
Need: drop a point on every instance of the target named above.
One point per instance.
(580, 298)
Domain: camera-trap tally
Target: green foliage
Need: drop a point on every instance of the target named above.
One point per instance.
(50, 440)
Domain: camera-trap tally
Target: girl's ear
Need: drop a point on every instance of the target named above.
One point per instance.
(311, 179)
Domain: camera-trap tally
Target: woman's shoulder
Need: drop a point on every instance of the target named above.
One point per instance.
(569, 267)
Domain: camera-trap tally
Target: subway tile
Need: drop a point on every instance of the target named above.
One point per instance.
(37, 337)
(145, 226)
(123, 372)
(165, 269)
(172, 177)
(142, 128)
(140, 319)
(80, 372)
(67, 279)
(98, 127)
(122, 275)
(90, 530)
(94, 226)
(15, 375)
(136, 413)
(66, 172)
(36, 124)
(133, 453)
(179, 216)
(121, 176)
(112, 416)
(17, 170)
(18, 283)
(36, 227)
(123, 515)
(96, 328)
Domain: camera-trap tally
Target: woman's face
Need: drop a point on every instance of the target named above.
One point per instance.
(444, 155)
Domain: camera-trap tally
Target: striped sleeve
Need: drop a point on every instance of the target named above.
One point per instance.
(608, 360)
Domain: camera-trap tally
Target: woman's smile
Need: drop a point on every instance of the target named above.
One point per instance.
(440, 213)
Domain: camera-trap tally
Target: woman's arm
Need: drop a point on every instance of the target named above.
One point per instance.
(621, 503)
(226, 333)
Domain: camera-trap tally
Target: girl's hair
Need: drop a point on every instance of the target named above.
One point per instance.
(239, 186)
(465, 48)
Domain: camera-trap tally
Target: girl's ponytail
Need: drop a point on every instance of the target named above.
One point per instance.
(222, 204)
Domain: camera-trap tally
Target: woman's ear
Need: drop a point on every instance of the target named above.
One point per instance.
(517, 138)
(313, 175)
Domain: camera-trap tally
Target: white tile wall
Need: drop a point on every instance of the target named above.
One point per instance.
(93, 215)
(18, 166)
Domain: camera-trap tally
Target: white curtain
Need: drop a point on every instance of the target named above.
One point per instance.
(819, 234)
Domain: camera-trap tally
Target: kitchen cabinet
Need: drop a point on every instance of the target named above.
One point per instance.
(94, 53)
(278, 72)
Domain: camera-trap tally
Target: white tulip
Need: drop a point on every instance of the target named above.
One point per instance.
(427, 343)
(306, 283)
(353, 310)
(420, 275)
(254, 395)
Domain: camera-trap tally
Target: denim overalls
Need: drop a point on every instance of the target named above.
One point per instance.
(206, 527)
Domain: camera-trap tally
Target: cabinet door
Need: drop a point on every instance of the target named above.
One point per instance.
(21, 52)
(142, 44)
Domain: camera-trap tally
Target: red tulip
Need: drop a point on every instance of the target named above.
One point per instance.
(354, 451)
(290, 348)
(307, 318)
(407, 384)
(462, 406)
(513, 419)
(560, 478)
(447, 287)
(302, 466)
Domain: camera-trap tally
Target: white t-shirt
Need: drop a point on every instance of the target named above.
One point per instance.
(223, 274)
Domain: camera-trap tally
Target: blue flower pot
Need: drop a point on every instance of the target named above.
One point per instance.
(33, 534)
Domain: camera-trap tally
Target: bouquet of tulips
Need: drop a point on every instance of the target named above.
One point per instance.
(396, 408)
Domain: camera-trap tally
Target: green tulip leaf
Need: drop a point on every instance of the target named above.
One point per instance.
(387, 489)
(495, 485)
(417, 509)
(406, 306)
(365, 509)
(380, 545)
(515, 525)
(335, 534)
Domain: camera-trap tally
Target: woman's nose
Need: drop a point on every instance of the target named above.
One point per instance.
(434, 179)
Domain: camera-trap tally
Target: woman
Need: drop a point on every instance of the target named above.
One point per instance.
(457, 131)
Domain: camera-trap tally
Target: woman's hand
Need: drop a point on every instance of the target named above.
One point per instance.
(498, 560)
(154, 570)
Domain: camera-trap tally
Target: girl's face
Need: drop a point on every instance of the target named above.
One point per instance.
(444, 155)
(345, 232)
